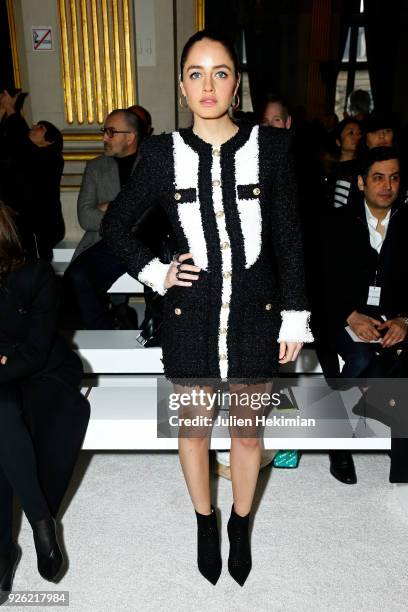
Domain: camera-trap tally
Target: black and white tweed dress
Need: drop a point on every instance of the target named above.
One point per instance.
(234, 208)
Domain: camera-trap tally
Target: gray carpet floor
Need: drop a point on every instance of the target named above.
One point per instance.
(317, 545)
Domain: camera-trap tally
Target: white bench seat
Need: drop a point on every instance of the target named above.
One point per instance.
(116, 352)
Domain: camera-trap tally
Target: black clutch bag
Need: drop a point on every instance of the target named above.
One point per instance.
(154, 229)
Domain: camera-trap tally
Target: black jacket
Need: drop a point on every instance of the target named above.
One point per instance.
(28, 319)
(30, 179)
(352, 265)
(234, 208)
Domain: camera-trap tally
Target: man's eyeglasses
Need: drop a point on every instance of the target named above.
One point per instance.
(110, 132)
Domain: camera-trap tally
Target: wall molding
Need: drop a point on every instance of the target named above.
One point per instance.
(13, 43)
(200, 15)
(97, 58)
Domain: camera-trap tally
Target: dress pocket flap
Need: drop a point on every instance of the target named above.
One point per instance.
(248, 192)
(185, 195)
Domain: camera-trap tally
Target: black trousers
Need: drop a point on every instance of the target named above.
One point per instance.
(43, 421)
(90, 276)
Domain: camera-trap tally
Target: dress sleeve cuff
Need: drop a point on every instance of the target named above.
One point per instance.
(154, 274)
(295, 326)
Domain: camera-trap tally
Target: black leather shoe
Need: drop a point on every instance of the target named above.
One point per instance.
(239, 559)
(208, 546)
(342, 466)
(49, 556)
(8, 569)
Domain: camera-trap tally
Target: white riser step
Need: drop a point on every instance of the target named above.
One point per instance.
(116, 352)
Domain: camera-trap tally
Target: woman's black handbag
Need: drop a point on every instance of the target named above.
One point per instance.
(386, 398)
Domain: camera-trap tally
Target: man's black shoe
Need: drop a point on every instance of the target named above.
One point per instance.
(342, 466)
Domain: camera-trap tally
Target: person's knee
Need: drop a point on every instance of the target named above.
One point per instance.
(197, 437)
(359, 361)
(247, 443)
(76, 275)
(10, 399)
(72, 276)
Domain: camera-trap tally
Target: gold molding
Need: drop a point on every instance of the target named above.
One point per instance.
(77, 63)
(81, 155)
(116, 54)
(128, 57)
(72, 136)
(13, 43)
(97, 58)
(200, 15)
(70, 187)
(87, 62)
(66, 72)
(106, 47)
(97, 63)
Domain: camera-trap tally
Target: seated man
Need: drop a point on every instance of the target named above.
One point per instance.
(365, 279)
(94, 269)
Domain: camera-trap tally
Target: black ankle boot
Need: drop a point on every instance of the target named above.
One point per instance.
(208, 546)
(49, 555)
(239, 560)
(8, 567)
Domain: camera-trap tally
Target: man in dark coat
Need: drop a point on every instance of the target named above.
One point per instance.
(366, 296)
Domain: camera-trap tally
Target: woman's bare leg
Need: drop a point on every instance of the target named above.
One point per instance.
(245, 462)
(245, 458)
(193, 453)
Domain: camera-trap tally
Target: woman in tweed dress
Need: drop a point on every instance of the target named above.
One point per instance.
(235, 304)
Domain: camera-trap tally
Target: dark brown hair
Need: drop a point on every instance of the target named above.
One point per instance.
(374, 155)
(211, 35)
(11, 250)
(52, 135)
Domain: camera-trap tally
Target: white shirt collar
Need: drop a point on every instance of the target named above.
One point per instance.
(372, 220)
(376, 239)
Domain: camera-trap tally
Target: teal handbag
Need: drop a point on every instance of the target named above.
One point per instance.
(288, 459)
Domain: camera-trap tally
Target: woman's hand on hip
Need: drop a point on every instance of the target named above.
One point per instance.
(288, 351)
(179, 272)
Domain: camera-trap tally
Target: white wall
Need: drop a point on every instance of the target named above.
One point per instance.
(41, 69)
(185, 28)
(155, 64)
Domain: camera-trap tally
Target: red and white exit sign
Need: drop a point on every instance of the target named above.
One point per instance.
(42, 38)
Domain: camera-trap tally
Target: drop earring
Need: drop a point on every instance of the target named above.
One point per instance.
(181, 102)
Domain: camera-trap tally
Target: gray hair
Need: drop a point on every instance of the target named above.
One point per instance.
(132, 120)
